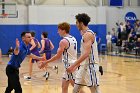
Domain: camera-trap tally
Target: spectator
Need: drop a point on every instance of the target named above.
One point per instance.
(10, 51)
(108, 38)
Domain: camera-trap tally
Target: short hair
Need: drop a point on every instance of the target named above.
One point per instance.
(33, 34)
(83, 17)
(45, 34)
(23, 34)
(64, 26)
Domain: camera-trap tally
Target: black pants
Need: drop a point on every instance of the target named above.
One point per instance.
(13, 80)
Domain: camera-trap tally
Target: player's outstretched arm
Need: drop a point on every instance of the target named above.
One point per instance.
(16, 50)
(62, 46)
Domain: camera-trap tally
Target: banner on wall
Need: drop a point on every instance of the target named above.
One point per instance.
(116, 2)
(130, 17)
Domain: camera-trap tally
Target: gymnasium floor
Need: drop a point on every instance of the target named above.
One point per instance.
(121, 75)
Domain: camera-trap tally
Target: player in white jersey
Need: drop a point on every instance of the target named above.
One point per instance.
(88, 67)
(68, 50)
(69, 56)
(87, 74)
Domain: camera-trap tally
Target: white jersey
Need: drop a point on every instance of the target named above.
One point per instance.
(93, 56)
(87, 74)
(70, 54)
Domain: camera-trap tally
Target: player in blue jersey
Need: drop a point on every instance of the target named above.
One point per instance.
(12, 70)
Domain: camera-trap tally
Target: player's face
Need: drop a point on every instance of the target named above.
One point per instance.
(28, 38)
(78, 24)
(60, 32)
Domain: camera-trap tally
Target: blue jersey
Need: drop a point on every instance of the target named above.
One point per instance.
(114, 39)
(16, 60)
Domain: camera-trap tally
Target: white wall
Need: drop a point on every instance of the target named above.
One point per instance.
(70, 2)
(43, 14)
(55, 2)
(54, 15)
(101, 15)
(61, 2)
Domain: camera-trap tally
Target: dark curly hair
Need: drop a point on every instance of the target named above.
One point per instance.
(83, 17)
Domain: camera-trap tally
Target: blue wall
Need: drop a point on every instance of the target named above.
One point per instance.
(8, 34)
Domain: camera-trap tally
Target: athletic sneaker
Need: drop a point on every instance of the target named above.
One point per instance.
(101, 70)
(27, 78)
(56, 68)
(47, 75)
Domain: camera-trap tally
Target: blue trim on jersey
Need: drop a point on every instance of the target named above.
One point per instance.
(93, 66)
(95, 75)
(92, 53)
(90, 73)
(16, 60)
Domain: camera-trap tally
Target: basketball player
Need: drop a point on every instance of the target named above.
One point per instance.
(68, 50)
(47, 47)
(12, 69)
(34, 45)
(88, 61)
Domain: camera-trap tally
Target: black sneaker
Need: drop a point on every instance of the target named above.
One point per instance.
(101, 70)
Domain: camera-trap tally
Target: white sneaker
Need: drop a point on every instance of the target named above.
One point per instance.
(47, 75)
(27, 78)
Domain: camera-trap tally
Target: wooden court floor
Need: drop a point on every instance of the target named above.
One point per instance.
(121, 75)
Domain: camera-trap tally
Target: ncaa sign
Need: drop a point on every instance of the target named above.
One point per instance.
(130, 17)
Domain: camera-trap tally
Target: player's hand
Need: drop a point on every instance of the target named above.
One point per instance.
(17, 42)
(42, 64)
(16, 50)
(71, 69)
